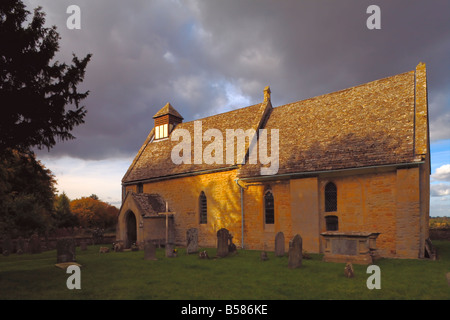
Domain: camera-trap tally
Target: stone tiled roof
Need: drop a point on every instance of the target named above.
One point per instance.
(154, 158)
(150, 204)
(367, 125)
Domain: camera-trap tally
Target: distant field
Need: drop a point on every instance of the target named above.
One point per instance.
(126, 275)
(439, 222)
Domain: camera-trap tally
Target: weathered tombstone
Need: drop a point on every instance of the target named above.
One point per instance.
(279, 244)
(34, 245)
(192, 240)
(7, 245)
(348, 270)
(295, 252)
(222, 242)
(149, 251)
(65, 250)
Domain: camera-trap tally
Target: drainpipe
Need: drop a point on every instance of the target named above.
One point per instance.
(242, 212)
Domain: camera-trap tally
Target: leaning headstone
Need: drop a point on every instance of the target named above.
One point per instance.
(192, 240)
(295, 252)
(34, 245)
(65, 250)
(222, 242)
(7, 245)
(149, 251)
(279, 244)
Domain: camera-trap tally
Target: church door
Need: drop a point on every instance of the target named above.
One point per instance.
(131, 230)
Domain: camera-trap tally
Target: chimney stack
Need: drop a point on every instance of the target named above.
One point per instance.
(267, 94)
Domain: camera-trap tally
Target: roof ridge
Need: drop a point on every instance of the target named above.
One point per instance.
(345, 89)
(223, 113)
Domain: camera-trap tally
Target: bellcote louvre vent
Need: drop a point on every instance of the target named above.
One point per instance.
(165, 120)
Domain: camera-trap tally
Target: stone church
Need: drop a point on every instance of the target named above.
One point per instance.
(351, 161)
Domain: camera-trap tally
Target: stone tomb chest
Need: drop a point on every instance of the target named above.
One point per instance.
(355, 247)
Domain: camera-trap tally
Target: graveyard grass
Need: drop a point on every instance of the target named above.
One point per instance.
(240, 276)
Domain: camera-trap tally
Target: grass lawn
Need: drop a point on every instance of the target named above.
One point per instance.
(243, 276)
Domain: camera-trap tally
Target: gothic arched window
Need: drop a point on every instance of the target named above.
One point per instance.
(269, 212)
(330, 197)
(202, 205)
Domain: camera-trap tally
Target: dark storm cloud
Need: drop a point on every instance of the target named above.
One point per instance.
(206, 57)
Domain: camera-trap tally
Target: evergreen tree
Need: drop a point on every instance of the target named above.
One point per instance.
(26, 194)
(40, 100)
(40, 104)
(64, 218)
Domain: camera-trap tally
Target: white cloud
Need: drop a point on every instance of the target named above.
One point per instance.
(442, 173)
(440, 190)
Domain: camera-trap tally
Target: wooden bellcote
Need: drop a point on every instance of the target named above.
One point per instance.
(165, 120)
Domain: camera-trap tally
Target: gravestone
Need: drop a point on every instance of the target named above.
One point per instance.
(192, 240)
(149, 250)
(34, 245)
(279, 244)
(223, 236)
(65, 250)
(295, 252)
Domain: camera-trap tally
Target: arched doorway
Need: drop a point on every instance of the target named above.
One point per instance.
(131, 229)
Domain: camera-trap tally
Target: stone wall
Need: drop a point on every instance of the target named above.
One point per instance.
(440, 234)
(50, 243)
(384, 200)
(182, 195)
